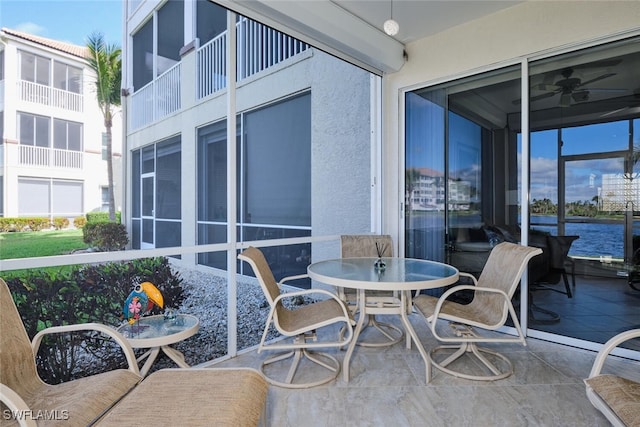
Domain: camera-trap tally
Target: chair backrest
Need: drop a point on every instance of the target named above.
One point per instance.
(364, 245)
(559, 247)
(17, 363)
(258, 262)
(504, 268)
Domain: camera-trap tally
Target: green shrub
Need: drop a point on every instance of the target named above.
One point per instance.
(102, 217)
(79, 222)
(92, 293)
(37, 224)
(59, 223)
(24, 224)
(106, 236)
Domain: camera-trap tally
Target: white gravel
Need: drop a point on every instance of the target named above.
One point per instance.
(206, 298)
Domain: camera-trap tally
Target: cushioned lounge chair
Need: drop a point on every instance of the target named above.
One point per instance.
(79, 402)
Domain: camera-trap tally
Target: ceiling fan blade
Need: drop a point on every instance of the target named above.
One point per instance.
(602, 77)
(601, 89)
(543, 96)
(545, 86)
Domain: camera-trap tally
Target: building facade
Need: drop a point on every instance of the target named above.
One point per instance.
(290, 174)
(53, 137)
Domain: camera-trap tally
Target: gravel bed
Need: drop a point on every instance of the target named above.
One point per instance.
(206, 298)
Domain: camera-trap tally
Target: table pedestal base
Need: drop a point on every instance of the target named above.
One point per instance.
(151, 355)
(401, 309)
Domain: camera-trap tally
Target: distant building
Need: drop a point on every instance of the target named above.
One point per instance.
(53, 153)
(619, 192)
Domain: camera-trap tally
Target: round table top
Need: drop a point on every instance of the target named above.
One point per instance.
(400, 274)
(156, 331)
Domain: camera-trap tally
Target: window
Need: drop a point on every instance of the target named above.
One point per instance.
(49, 197)
(66, 77)
(67, 135)
(34, 68)
(33, 130)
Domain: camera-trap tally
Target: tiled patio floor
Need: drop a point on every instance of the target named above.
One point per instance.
(388, 388)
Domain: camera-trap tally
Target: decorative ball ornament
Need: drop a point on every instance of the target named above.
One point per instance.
(391, 27)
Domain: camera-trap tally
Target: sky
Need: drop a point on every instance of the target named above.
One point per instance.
(70, 21)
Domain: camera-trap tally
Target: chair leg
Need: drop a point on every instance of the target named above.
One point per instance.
(566, 283)
(472, 349)
(297, 355)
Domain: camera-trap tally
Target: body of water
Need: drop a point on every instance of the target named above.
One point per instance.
(595, 239)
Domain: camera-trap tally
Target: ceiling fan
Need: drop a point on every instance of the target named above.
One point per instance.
(571, 89)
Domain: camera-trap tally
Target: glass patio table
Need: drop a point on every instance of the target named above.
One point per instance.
(400, 274)
(157, 333)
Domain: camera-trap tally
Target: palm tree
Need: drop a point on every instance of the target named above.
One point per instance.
(105, 60)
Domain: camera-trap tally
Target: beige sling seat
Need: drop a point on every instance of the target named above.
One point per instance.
(368, 245)
(617, 397)
(196, 397)
(75, 403)
(300, 324)
(489, 310)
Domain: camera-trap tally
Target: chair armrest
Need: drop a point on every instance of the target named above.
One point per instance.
(448, 292)
(290, 278)
(470, 276)
(608, 347)
(17, 406)
(115, 335)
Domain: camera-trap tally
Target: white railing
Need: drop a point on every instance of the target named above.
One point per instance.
(211, 67)
(30, 155)
(167, 92)
(47, 95)
(259, 48)
(157, 99)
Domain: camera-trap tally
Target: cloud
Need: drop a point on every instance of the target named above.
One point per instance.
(31, 28)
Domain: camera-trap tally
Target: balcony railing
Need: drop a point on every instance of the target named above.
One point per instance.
(211, 67)
(259, 48)
(47, 95)
(157, 99)
(50, 157)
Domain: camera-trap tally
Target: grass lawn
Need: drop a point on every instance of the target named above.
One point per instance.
(40, 243)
